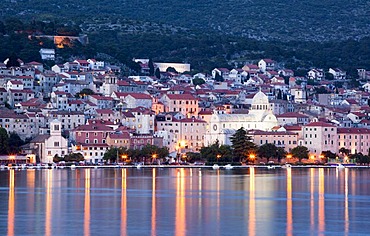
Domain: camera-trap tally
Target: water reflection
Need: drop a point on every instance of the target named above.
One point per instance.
(346, 215)
(289, 203)
(49, 202)
(184, 202)
(312, 199)
(87, 203)
(11, 203)
(321, 201)
(124, 203)
(180, 224)
(252, 203)
(154, 214)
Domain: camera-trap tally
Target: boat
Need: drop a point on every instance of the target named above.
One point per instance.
(228, 167)
(286, 166)
(73, 166)
(340, 166)
(216, 167)
(138, 165)
(270, 167)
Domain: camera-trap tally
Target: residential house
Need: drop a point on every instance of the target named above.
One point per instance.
(292, 118)
(357, 140)
(316, 74)
(283, 139)
(186, 104)
(320, 136)
(337, 73)
(266, 64)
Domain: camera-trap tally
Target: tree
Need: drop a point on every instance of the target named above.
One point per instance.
(193, 156)
(15, 143)
(57, 158)
(280, 153)
(111, 154)
(241, 144)
(151, 67)
(157, 73)
(198, 81)
(115, 154)
(217, 153)
(267, 150)
(13, 61)
(4, 141)
(300, 152)
(153, 152)
(361, 159)
(218, 77)
(84, 92)
(344, 151)
(171, 69)
(326, 155)
(74, 157)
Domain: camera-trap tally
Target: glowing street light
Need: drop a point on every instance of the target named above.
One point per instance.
(12, 157)
(289, 156)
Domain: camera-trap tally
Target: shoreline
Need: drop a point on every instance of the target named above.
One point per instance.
(223, 167)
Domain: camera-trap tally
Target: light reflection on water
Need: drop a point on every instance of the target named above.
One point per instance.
(184, 202)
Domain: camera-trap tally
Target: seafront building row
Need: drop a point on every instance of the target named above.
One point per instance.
(86, 106)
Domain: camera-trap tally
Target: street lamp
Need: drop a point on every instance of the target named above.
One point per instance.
(218, 156)
(252, 157)
(154, 156)
(124, 157)
(12, 157)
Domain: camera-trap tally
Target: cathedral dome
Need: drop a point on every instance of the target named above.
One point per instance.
(260, 99)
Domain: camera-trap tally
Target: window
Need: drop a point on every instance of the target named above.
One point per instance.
(56, 127)
(56, 144)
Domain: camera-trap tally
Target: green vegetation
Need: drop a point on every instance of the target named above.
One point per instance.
(269, 150)
(300, 152)
(150, 152)
(9, 143)
(242, 145)
(203, 50)
(283, 20)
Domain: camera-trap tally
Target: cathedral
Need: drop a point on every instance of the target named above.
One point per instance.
(222, 126)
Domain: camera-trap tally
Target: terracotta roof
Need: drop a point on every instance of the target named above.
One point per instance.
(93, 127)
(140, 95)
(181, 97)
(192, 120)
(15, 82)
(320, 124)
(104, 111)
(123, 135)
(353, 131)
(292, 114)
(261, 132)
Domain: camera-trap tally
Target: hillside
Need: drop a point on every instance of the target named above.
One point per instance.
(284, 20)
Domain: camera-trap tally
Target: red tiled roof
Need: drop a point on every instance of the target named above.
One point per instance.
(181, 97)
(93, 127)
(292, 114)
(353, 131)
(104, 111)
(124, 135)
(192, 120)
(320, 124)
(15, 82)
(140, 96)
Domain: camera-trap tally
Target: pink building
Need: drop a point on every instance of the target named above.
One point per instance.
(186, 104)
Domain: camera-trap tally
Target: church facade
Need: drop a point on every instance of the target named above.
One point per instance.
(222, 126)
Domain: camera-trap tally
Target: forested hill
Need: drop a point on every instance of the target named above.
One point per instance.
(283, 20)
